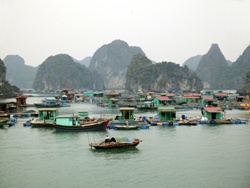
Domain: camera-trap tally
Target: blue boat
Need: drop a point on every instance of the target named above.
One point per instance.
(50, 102)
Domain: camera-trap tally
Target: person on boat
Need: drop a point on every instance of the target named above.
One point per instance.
(107, 139)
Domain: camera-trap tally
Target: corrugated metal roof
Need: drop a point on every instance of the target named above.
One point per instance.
(163, 98)
(212, 109)
(221, 94)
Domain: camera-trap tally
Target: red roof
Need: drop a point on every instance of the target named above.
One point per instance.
(221, 94)
(212, 109)
(112, 93)
(206, 98)
(190, 96)
(21, 97)
(170, 94)
(163, 98)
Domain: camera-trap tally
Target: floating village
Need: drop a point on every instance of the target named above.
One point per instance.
(211, 105)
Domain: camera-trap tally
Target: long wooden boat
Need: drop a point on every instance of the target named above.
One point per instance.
(98, 126)
(71, 123)
(127, 127)
(116, 144)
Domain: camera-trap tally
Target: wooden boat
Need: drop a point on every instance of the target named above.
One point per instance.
(116, 143)
(71, 123)
(46, 118)
(127, 127)
(4, 121)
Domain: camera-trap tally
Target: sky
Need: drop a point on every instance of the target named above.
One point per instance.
(166, 30)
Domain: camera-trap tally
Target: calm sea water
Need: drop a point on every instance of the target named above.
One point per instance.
(196, 156)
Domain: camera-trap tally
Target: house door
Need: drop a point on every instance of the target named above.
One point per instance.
(213, 115)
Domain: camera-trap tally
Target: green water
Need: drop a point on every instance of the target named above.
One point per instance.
(181, 156)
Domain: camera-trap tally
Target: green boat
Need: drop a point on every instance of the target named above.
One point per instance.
(4, 122)
(46, 117)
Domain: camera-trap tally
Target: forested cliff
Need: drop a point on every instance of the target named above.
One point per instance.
(142, 74)
(60, 71)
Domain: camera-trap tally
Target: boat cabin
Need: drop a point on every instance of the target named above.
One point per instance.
(126, 114)
(212, 113)
(83, 114)
(50, 101)
(67, 120)
(47, 114)
(166, 113)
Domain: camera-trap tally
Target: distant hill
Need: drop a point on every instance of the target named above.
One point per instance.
(6, 89)
(60, 71)
(245, 88)
(238, 70)
(142, 74)
(112, 60)
(85, 61)
(212, 69)
(193, 62)
(18, 73)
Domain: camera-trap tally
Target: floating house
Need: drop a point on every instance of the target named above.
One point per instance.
(191, 98)
(166, 113)
(212, 113)
(112, 102)
(112, 94)
(21, 101)
(162, 100)
(98, 94)
(78, 97)
(8, 106)
(220, 96)
(207, 100)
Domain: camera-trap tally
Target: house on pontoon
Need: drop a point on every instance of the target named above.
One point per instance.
(212, 113)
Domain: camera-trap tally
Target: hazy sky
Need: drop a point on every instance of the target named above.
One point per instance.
(166, 30)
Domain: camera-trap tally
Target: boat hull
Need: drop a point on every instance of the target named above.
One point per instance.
(99, 126)
(115, 145)
(41, 105)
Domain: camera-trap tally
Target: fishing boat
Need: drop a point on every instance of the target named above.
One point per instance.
(46, 117)
(71, 123)
(115, 143)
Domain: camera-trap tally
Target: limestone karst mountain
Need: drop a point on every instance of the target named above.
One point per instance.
(193, 62)
(18, 73)
(112, 60)
(6, 90)
(212, 69)
(60, 71)
(142, 74)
